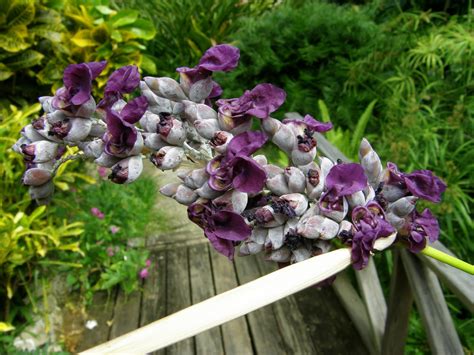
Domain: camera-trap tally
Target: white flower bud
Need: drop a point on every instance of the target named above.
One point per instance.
(106, 160)
(312, 211)
(272, 170)
(56, 116)
(31, 133)
(259, 235)
(168, 157)
(205, 191)
(206, 128)
(165, 87)
(282, 255)
(153, 141)
(300, 254)
(278, 185)
(276, 237)
(40, 151)
(271, 126)
(356, 199)
(296, 179)
(318, 227)
(383, 243)
(285, 139)
(169, 190)
(261, 159)
(298, 202)
(345, 226)
(266, 217)
(127, 170)
(290, 225)
(19, 143)
(201, 89)
(156, 104)
(46, 103)
(196, 178)
(92, 149)
(336, 215)
(204, 112)
(220, 141)
(232, 200)
(42, 191)
(151, 122)
(326, 165)
(370, 161)
(396, 221)
(79, 129)
(176, 135)
(86, 110)
(185, 195)
(98, 128)
(392, 192)
(404, 206)
(36, 176)
(302, 158)
(369, 193)
(314, 182)
(190, 111)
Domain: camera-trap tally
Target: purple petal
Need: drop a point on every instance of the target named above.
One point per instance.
(224, 247)
(230, 226)
(266, 98)
(312, 124)
(345, 179)
(96, 68)
(429, 223)
(134, 110)
(123, 80)
(193, 74)
(248, 176)
(222, 57)
(78, 82)
(424, 184)
(246, 143)
(216, 91)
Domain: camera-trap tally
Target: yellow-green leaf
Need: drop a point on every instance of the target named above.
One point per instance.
(5, 327)
(143, 29)
(123, 18)
(83, 38)
(24, 60)
(20, 13)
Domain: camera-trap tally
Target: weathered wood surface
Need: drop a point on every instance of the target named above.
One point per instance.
(459, 282)
(432, 307)
(399, 307)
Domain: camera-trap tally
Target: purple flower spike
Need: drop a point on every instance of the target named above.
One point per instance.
(423, 225)
(424, 184)
(222, 57)
(311, 124)
(345, 179)
(122, 81)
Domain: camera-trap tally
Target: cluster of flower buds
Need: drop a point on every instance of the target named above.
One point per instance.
(239, 200)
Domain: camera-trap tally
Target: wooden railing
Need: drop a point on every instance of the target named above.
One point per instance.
(382, 326)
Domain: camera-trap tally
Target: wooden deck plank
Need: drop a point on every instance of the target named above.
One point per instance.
(459, 282)
(235, 334)
(264, 328)
(101, 310)
(126, 313)
(202, 288)
(289, 318)
(432, 307)
(178, 294)
(399, 307)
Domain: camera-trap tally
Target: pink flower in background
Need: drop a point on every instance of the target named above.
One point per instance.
(148, 263)
(114, 229)
(143, 273)
(110, 251)
(98, 213)
(102, 171)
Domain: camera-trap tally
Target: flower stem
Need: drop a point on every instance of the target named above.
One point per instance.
(448, 259)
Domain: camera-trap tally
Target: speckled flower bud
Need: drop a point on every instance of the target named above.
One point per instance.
(86, 110)
(266, 217)
(205, 191)
(98, 128)
(318, 227)
(201, 89)
(314, 182)
(310, 212)
(326, 165)
(299, 157)
(232, 200)
(185, 195)
(220, 140)
(204, 112)
(47, 103)
(190, 111)
(297, 202)
(92, 149)
(296, 179)
(403, 207)
(165, 87)
(40, 151)
(78, 130)
(22, 141)
(30, 132)
(356, 199)
(168, 157)
(169, 190)
(36, 176)
(156, 104)
(285, 139)
(196, 178)
(345, 227)
(153, 141)
(271, 126)
(106, 160)
(370, 161)
(276, 237)
(206, 128)
(272, 170)
(127, 170)
(42, 191)
(278, 185)
(261, 160)
(282, 255)
(259, 235)
(171, 129)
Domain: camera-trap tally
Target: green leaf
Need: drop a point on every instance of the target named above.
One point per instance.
(116, 36)
(123, 18)
(83, 38)
(361, 124)
(13, 40)
(324, 111)
(24, 60)
(143, 29)
(5, 73)
(148, 64)
(105, 10)
(20, 13)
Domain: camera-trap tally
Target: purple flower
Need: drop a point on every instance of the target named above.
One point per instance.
(148, 263)
(223, 228)
(311, 124)
(346, 179)
(143, 273)
(110, 251)
(121, 134)
(122, 81)
(420, 226)
(236, 169)
(259, 102)
(370, 225)
(114, 229)
(97, 213)
(102, 171)
(77, 85)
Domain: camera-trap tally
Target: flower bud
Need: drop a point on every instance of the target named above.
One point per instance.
(196, 178)
(325, 165)
(314, 182)
(336, 213)
(153, 141)
(276, 237)
(370, 161)
(87, 109)
(318, 227)
(403, 207)
(40, 151)
(392, 193)
(30, 132)
(171, 129)
(266, 217)
(165, 87)
(300, 254)
(22, 141)
(312, 211)
(271, 126)
(190, 111)
(272, 170)
(205, 191)
(278, 185)
(169, 190)
(47, 103)
(78, 130)
(182, 173)
(345, 227)
(106, 160)
(369, 193)
(150, 122)
(259, 235)
(356, 199)
(41, 191)
(296, 179)
(168, 157)
(156, 104)
(232, 200)
(297, 202)
(204, 112)
(201, 89)
(185, 195)
(261, 159)
(98, 128)
(396, 221)
(282, 255)
(220, 140)
(285, 139)
(299, 157)
(36, 176)
(55, 116)
(127, 170)
(206, 128)
(383, 243)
